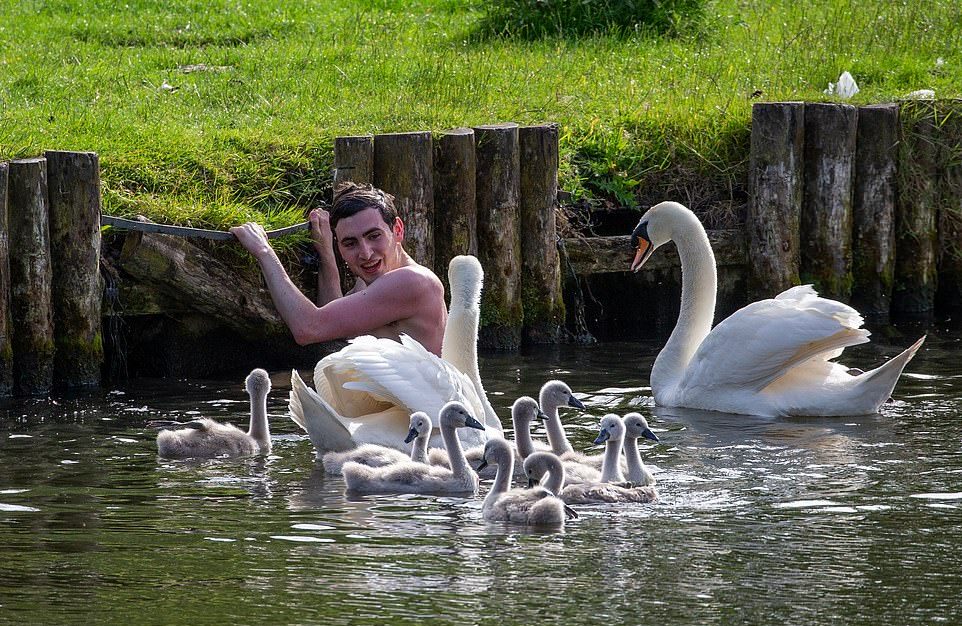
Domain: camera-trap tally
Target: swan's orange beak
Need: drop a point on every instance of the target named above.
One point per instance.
(641, 254)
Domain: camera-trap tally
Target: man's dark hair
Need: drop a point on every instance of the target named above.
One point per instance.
(351, 198)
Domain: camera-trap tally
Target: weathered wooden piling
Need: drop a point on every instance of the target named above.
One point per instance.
(542, 299)
(354, 159)
(916, 236)
(830, 135)
(873, 211)
(949, 293)
(184, 273)
(30, 277)
(403, 167)
(73, 183)
(455, 199)
(498, 193)
(6, 348)
(775, 187)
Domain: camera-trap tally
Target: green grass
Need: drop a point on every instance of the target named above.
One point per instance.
(249, 133)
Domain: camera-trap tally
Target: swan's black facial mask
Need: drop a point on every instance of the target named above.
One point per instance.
(641, 243)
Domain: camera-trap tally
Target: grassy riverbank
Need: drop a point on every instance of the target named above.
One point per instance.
(212, 112)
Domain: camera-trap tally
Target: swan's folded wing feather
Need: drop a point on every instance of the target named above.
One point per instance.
(763, 341)
(408, 375)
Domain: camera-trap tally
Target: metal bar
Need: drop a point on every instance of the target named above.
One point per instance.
(184, 231)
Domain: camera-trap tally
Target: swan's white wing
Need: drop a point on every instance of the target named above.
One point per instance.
(334, 371)
(408, 375)
(763, 341)
(322, 423)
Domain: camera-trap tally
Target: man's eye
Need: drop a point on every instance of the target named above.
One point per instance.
(375, 235)
(348, 244)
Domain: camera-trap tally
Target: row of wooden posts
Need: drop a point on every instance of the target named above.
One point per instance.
(497, 184)
(864, 201)
(50, 286)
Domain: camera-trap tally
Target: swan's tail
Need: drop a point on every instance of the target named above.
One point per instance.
(876, 386)
(318, 418)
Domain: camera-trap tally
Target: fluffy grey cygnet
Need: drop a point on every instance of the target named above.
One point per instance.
(535, 506)
(637, 426)
(524, 411)
(373, 455)
(206, 439)
(611, 488)
(411, 477)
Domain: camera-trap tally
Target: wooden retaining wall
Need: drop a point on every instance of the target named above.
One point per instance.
(866, 202)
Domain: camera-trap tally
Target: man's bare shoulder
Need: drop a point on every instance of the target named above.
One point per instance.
(414, 276)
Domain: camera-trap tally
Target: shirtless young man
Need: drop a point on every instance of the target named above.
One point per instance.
(393, 295)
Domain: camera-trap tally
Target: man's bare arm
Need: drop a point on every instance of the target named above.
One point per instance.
(328, 277)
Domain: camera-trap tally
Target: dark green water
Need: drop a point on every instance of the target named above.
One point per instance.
(843, 520)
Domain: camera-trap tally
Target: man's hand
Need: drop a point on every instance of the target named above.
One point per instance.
(252, 236)
(321, 233)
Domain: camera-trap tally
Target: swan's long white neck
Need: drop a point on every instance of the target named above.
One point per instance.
(258, 424)
(419, 449)
(459, 346)
(555, 479)
(637, 472)
(698, 286)
(611, 463)
(459, 464)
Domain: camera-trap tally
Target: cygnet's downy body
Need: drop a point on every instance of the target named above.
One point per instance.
(206, 439)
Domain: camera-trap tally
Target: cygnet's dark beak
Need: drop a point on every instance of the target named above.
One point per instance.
(575, 402)
(483, 464)
(647, 434)
(603, 436)
(470, 422)
(412, 435)
(531, 482)
(542, 415)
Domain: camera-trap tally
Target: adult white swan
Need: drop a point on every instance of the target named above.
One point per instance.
(769, 358)
(366, 392)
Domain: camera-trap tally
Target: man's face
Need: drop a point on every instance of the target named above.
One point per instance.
(368, 245)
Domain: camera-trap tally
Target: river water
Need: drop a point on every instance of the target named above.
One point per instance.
(852, 520)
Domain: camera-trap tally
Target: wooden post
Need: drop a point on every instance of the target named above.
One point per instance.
(354, 159)
(6, 348)
(31, 310)
(949, 293)
(544, 311)
(176, 269)
(403, 167)
(455, 202)
(499, 247)
(826, 225)
(916, 236)
(873, 210)
(73, 183)
(775, 187)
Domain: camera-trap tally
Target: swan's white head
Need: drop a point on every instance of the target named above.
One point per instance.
(420, 426)
(524, 410)
(540, 463)
(659, 225)
(497, 451)
(555, 393)
(258, 383)
(456, 415)
(611, 427)
(637, 426)
(466, 279)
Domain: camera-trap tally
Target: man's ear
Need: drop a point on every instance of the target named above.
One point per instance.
(398, 229)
